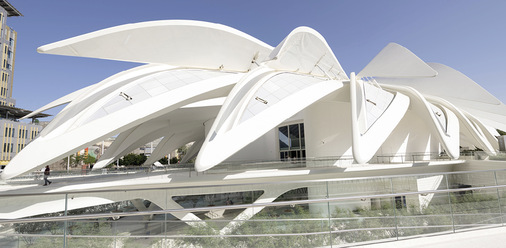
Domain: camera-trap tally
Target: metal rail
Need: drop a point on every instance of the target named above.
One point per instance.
(241, 206)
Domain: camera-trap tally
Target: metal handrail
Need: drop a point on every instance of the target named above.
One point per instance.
(4, 194)
(230, 166)
(239, 206)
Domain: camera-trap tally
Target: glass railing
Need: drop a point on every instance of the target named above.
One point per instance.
(188, 170)
(306, 213)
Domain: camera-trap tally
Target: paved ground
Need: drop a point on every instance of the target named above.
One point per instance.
(483, 238)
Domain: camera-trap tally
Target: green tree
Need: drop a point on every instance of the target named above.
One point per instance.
(76, 160)
(133, 159)
(174, 160)
(163, 160)
(89, 160)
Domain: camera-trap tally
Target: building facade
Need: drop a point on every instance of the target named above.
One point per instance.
(14, 135)
(8, 39)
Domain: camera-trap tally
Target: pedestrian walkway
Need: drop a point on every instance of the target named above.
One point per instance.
(483, 238)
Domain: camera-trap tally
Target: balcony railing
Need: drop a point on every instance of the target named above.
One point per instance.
(312, 213)
(242, 166)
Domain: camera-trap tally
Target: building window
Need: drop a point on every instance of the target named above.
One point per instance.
(291, 141)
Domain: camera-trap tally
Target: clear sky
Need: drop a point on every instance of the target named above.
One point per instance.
(469, 36)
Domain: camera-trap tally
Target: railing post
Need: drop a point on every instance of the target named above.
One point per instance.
(395, 210)
(65, 222)
(328, 210)
(498, 198)
(450, 202)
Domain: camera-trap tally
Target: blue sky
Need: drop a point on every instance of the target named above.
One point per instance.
(469, 36)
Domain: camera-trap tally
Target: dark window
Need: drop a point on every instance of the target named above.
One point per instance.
(284, 142)
(291, 142)
(294, 136)
(302, 140)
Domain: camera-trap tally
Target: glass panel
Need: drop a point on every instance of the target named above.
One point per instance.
(294, 136)
(32, 207)
(311, 229)
(302, 137)
(475, 208)
(362, 220)
(12, 241)
(31, 241)
(424, 214)
(284, 142)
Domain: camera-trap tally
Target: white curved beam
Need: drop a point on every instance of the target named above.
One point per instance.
(184, 43)
(116, 122)
(98, 93)
(189, 116)
(175, 140)
(365, 143)
(461, 91)
(193, 151)
(490, 137)
(473, 130)
(60, 101)
(131, 139)
(243, 127)
(448, 138)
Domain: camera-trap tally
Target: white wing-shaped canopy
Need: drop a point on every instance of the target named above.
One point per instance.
(461, 91)
(296, 76)
(114, 114)
(60, 101)
(190, 64)
(183, 43)
(395, 61)
(305, 51)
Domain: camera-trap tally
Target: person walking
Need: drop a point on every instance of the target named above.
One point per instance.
(46, 175)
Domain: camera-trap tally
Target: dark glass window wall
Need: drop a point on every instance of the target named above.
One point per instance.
(291, 142)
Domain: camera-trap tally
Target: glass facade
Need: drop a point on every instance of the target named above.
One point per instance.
(291, 142)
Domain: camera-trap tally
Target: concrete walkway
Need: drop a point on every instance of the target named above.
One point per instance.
(483, 238)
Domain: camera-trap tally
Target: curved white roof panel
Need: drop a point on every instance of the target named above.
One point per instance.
(305, 51)
(183, 43)
(409, 105)
(395, 61)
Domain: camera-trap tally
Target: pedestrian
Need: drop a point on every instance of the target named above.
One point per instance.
(46, 175)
